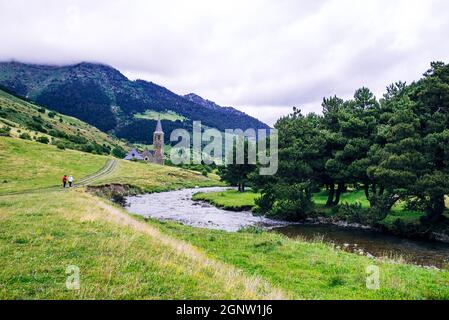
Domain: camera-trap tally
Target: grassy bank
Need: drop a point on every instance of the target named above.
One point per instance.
(30, 165)
(239, 201)
(313, 270)
(118, 256)
(229, 200)
(154, 178)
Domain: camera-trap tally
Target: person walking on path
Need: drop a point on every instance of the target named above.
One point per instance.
(70, 181)
(64, 181)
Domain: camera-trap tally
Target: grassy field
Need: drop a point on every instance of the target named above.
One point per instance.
(119, 257)
(153, 115)
(30, 165)
(229, 200)
(154, 178)
(313, 270)
(352, 197)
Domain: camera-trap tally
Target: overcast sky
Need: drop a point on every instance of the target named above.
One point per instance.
(263, 57)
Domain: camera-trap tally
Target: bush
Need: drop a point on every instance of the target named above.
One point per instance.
(77, 139)
(36, 125)
(25, 136)
(288, 202)
(60, 146)
(118, 152)
(52, 114)
(204, 172)
(57, 134)
(41, 110)
(87, 148)
(5, 131)
(43, 140)
(354, 213)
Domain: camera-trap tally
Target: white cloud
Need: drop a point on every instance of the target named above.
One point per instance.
(261, 56)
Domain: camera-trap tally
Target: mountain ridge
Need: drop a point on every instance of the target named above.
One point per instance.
(102, 96)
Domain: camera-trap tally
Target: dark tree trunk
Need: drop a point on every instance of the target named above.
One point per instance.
(243, 187)
(366, 187)
(331, 195)
(374, 187)
(381, 190)
(435, 209)
(340, 189)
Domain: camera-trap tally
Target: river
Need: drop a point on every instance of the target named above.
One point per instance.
(179, 206)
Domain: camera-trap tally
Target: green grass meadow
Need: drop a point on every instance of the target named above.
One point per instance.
(30, 165)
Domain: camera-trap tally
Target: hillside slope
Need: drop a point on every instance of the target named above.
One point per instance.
(28, 165)
(103, 97)
(31, 121)
(119, 257)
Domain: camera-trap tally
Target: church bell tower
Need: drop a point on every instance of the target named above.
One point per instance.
(158, 143)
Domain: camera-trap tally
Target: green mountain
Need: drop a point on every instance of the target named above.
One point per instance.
(29, 121)
(106, 99)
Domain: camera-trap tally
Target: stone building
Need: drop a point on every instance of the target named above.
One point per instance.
(151, 156)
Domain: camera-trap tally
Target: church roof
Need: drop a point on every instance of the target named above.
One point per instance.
(159, 127)
(133, 155)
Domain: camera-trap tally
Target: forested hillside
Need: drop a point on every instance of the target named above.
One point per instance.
(29, 121)
(103, 97)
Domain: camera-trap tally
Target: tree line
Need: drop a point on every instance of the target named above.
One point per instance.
(395, 149)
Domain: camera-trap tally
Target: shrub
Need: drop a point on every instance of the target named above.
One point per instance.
(204, 172)
(25, 136)
(52, 114)
(77, 139)
(57, 134)
(36, 125)
(41, 110)
(43, 140)
(354, 213)
(265, 202)
(87, 148)
(288, 202)
(5, 131)
(118, 152)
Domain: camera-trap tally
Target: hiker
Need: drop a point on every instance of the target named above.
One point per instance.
(64, 181)
(70, 181)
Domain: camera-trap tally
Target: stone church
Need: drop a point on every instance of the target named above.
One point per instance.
(151, 156)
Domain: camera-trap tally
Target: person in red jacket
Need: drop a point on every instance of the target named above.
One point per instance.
(64, 181)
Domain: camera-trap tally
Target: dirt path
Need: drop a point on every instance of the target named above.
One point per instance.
(109, 167)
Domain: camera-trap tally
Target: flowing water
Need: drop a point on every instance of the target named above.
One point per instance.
(179, 206)
(369, 242)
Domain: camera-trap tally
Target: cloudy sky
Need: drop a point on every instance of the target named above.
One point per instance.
(263, 57)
